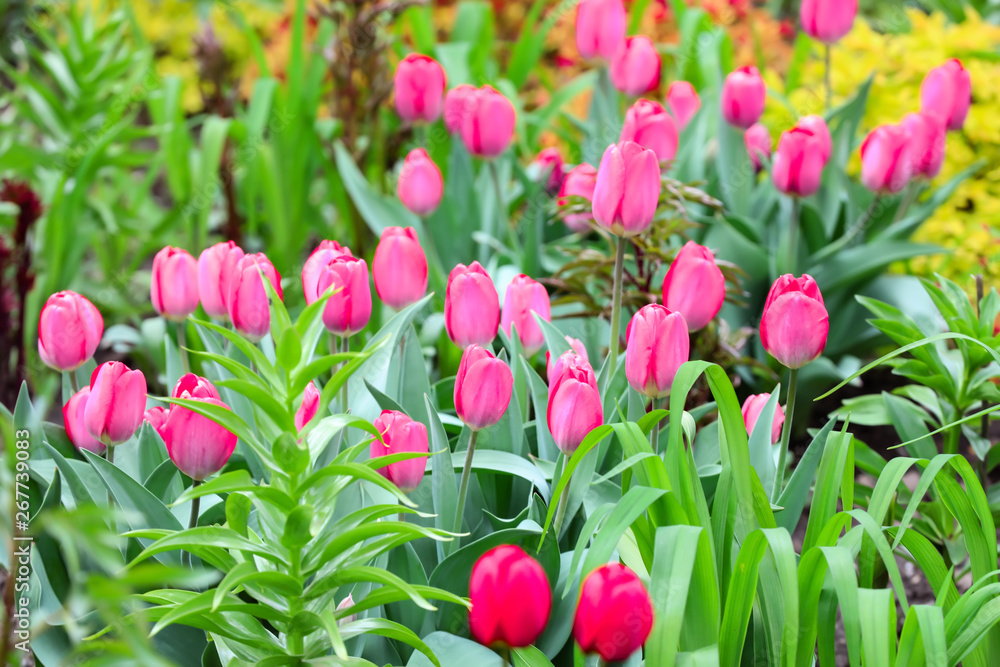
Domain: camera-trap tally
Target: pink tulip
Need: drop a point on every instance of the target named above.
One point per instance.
(886, 162)
(615, 614)
(483, 388)
(488, 126)
(456, 106)
(797, 169)
(73, 420)
(635, 69)
(69, 330)
(927, 144)
(420, 185)
(795, 323)
(758, 142)
(549, 165)
(471, 306)
(401, 435)
(194, 386)
(419, 83)
(311, 270)
(752, 408)
(600, 28)
(247, 301)
(694, 286)
(683, 102)
(574, 403)
(628, 189)
(828, 20)
(216, 266)
(523, 298)
(400, 267)
(349, 309)
(946, 92)
(657, 346)
(816, 126)
(157, 418)
(309, 406)
(174, 286)
(579, 182)
(649, 125)
(116, 403)
(743, 97)
(554, 367)
(198, 446)
(346, 603)
(510, 596)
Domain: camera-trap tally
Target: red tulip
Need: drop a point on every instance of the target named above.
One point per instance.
(311, 270)
(927, 144)
(615, 614)
(348, 310)
(400, 435)
(73, 420)
(510, 596)
(579, 182)
(816, 126)
(635, 69)
(752, 408)
(420, 185)
(471, 306)
(628, 189)
(198, 446)
(574, 403)
(649, 125)
(157, 418)
(694, 286)
(657, 346)
(549, 165)
(419, 83)
(69, 330)
(554, 367)
(758, 142)
(116, 403)
(216, 266)
(174, 286)
(743, 97)
(400, 267)
(309, 406)
(247, 300)
(795, 323)
(600, 28)
(456, 106)
(483, 388)
(828, 20)
(523, 298)
(797, 169)
(946, 93)
(194, 386)
(886, 162)
(488, 126)
(683, 102)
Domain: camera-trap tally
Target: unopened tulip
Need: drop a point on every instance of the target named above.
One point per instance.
(683, 102)
(326, 252)
(216, 266)
(758, 142)
(635, 69)
(346, 603)
(399, 267)
(549, 165)
(483, 387)
(743, 96)
(600, 28)
(419, 86)
(198, 446)
(194, 386)
(471, 306)
(886, 162)
(554, 367)
(401, 435)
(828, 20)
(579, 182)
(927, 144)
(116, 403)
(73, 420)
(309, 406)
(157, 418)
(456, 106)
(657, 346)
(510, 597)
(247, 301)
(797, 169)
(628, 189)
(649, 125)
(69, 330)
(348, 310)
(946, 93)
(795, 324)
(574, 403)
(488, 126)
(174, 286)
(816, 126)
(615, 614)
(694, 286)
(420, 185)
(753, 406)
(523, 298)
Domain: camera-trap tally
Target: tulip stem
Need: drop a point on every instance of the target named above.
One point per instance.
(561, 512)
(343, 390)
(984, 424)
(786, 434)
(793, 240)
(501, 218)
(195, 506)
(909, 196)
(463, 489)
(616, 307)
(73, 383)
(655, 435)
(828, 78)
(110, 454)
(182, 347)
(505, 653)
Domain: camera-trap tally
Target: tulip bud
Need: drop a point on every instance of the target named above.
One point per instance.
(579, 182)
(420, 186)
(752, 408)
(248, 303)
(649, 125)
(795, 323)
(743, 97)
(628, 189)
(927, 144)
(194, 386)
(399, 267)
(400, 435)
(549, 165)
(349, 309)
(946, 93)
(635, 69)
(797, 169)
(488, 126)
(615, 615)
(683, 102)
(483, 388)
(69, 330)
(116, 403)
(311, 270)
(758, 142)
(657, 346)
(198, 446)
(157, 418)
(525, 296)
(828, 20)
(456, 106)
(471, 306)
(419, 85)
(216, 266)
(346, 603)
(574, 403)
(694, 286)
(600, 28)
(555, 367)
(816, 126)
(73, 420)
(886, 162)
(510, 596)
(174, 286)
(309, 406)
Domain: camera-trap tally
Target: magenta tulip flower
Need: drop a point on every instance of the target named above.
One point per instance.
(216, 266)
(247, 301)
(946, 93)
(575, 407)
(554, 367)
(549, 164)
(797, 169)
(308, 407)
(657, 346)
(69, 329)
(400, 267)
(694, 286)
(523, 298)
(816, 126)
(628, 189)
(348, 310)
(795, 323)
(615, 614)
(116, 403)
(683, 102)
(488, 126)
(194, 386)
(471, 306)
(752, 408)
(198, 446)
(401, 435)
(174, 286)
(579, 182)
(743, 95)
(420, 185)
(600, 28)
(419, 85)
(635, 68)
(828, 20)
(483, 388)
(457, 106)
(886, 162)
(76, 429)
(326, 252)
(927, 144)
(510, 597)
(157, 418)
(649, 125)
(758, 142)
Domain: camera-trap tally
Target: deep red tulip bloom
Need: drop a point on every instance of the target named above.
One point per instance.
(615, 614)
(510, 596)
